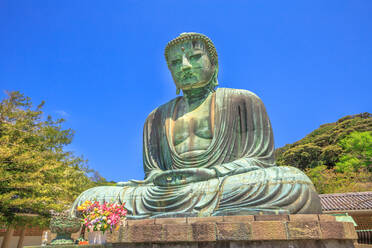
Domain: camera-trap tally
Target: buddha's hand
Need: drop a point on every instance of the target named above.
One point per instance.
(134, 183)
(183, 176)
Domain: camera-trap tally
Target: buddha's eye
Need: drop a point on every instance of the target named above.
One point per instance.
(176, 62)
(195, 57)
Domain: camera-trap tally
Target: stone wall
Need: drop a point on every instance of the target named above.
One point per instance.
(292, 231)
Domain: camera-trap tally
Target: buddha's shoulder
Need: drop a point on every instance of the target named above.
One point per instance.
(164, 108)
(237, 94)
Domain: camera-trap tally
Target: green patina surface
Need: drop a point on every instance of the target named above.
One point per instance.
(344, 217)
(209, 151)
(64, 225)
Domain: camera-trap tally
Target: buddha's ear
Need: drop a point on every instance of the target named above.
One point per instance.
(215, 76)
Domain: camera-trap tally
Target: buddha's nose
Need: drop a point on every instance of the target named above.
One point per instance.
(185, 63)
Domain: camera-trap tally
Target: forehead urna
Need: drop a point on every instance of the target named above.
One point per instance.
(187, 47)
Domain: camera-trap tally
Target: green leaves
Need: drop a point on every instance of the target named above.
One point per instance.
(333, 181)
(358, 152)
(36, 173)
(336, 156)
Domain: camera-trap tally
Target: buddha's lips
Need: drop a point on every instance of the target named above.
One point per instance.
(186, 75)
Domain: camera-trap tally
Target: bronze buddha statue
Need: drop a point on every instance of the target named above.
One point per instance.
(208, 152)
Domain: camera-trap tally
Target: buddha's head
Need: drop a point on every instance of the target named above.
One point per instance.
(193, 62)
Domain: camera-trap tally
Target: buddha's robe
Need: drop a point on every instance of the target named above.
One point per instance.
(242, 154)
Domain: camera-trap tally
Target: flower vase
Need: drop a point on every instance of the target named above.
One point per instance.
(97, 237)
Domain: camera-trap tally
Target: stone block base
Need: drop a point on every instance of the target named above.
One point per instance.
(290, 231)
(262, 231)
(242, 244)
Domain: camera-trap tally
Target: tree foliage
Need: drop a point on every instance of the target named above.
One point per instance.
(336, 156)
(358, 152)
(36, 173)
(332, 181)
(321, 147)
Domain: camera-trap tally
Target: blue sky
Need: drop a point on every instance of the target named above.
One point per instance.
(100, 64)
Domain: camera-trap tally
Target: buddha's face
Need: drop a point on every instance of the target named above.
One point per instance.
(190, 65)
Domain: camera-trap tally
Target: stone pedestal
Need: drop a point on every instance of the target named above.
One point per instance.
(262, 231)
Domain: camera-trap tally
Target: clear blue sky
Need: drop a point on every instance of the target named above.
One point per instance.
(100, 64)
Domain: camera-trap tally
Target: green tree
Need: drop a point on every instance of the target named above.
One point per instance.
(337, 156)
(36, 173)
(323, 146)
(358, 152)
(303, 156)
(329, 180)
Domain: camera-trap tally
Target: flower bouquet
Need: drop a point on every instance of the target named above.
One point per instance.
(99, 218)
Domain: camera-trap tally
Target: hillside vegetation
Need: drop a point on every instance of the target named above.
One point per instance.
(336, 156)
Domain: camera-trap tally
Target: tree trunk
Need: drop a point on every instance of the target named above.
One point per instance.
(21, 237)
(8, 236)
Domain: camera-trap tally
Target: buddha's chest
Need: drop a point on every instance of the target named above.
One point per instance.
(197, 123)
(192, 130)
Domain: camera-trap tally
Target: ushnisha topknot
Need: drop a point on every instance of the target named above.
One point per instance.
(194, 36)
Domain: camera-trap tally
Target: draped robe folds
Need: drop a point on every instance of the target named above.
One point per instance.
(242, 155)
